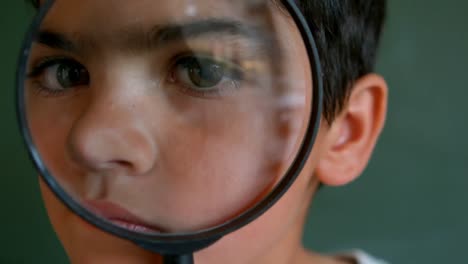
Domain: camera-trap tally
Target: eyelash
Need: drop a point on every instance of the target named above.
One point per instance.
(39, 69)
(231, 70)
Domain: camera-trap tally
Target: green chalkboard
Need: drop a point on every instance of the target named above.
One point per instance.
(26, 234)
(408, 207)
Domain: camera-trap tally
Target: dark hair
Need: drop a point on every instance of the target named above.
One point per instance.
(35, 3)
(347, 36)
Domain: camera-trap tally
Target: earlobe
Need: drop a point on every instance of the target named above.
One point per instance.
(353, 134)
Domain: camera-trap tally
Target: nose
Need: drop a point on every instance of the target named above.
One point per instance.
(111, 134)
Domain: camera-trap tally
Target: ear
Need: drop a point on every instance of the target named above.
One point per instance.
(352, 136)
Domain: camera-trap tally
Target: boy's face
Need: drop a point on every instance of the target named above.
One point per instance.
(120, 120)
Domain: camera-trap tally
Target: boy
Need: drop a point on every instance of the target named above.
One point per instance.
(354, 112)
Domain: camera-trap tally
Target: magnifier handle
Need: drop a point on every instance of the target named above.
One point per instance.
(178, 259)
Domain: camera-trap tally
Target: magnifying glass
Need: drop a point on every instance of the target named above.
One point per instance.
(168, 123)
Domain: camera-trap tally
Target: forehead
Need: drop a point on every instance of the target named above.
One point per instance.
(92, 24)
(93, 15)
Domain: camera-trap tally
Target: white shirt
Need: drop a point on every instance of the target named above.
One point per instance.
(362, 258)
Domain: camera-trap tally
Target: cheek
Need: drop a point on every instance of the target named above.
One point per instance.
(50, 122)
(57, 212)
(278, 229)
(215, 161)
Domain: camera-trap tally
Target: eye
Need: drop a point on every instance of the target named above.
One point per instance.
(204, 75)
(55, 76)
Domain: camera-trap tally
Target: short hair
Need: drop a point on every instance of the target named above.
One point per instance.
(35, 3)
(347, 34)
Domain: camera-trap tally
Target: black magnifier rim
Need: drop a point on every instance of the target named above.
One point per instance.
(180, 242)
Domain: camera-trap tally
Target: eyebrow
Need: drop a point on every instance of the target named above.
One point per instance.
(137, 39)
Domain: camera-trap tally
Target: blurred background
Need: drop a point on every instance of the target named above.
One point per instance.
(408, 207)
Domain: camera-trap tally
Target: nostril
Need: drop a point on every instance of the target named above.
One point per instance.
(122, 163)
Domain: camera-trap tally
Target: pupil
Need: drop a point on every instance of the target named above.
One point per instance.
(205, 73)
(70, 75)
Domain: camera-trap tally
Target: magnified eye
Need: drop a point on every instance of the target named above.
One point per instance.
(55, 76)
(204, 75)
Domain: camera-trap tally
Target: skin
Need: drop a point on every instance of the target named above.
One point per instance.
(130, 138)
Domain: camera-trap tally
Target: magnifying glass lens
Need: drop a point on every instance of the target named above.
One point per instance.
(167, 117)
